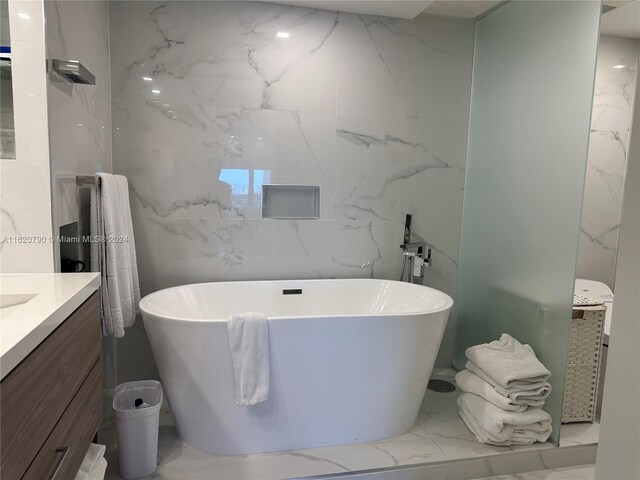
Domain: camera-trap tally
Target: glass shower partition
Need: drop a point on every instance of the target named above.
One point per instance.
(533, 80)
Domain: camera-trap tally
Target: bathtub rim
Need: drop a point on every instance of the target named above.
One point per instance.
(447, 307)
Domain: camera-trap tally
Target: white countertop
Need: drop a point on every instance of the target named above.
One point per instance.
(23, 327)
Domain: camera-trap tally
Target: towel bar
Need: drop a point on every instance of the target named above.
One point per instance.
(86, 180)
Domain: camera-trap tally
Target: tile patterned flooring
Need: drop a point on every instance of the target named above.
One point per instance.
(585, 472)
(438, 435)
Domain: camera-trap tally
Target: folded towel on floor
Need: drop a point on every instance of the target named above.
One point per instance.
(249, 344)
(530, 394)
(472, 383)
(510, 363)
(493, 425)
(472, 425)
(115, 257)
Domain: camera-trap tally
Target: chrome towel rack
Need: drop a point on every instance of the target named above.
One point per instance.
(74, 71)
(82, 180)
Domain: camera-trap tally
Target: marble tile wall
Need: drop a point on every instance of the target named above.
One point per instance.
(607, 163)
(25, 194)
(79, 115)
(208, 103)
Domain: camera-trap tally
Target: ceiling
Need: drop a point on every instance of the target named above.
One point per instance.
(460, 8)
(623, 21)
(399, 8)
(387, 8)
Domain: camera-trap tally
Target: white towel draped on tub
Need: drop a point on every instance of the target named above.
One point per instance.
(508, 362)
(115, 257)
(249, 343)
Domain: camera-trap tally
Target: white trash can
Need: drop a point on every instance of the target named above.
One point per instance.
(136, 408)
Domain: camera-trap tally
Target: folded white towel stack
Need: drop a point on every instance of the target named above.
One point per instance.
(508, 362)
(532, 394)
(491, 424)
(505, 387)
(249, 344)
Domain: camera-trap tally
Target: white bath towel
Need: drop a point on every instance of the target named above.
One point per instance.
(96, 473)
(470, 382)
(508, 362)
(493, 425)
(531, 394)
(116, 255)
(249, 343)
(92, 457)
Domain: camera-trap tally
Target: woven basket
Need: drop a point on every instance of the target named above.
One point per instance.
(583, 366)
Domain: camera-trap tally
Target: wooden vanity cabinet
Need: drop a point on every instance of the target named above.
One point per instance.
(51, 403)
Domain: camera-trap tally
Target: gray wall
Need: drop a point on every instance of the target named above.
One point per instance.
(607, 166)
(373, 110)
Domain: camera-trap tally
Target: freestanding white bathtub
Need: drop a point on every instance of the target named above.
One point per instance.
(350, 360)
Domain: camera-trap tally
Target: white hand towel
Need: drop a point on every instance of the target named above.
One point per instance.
(470, 382)
(491, 424)
(249, 344)
(531, 394)
(117, 258)
(508, 362)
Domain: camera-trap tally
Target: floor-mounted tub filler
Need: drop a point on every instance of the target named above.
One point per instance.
(349, 360)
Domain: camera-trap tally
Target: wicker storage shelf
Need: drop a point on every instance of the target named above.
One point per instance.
(583, 366)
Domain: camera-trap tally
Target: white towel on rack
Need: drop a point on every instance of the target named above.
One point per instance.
(493, 425)
(249, 343)
(116, 254)
(510, 363)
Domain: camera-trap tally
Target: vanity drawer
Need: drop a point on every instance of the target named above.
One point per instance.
(37, 392)
(61, 455)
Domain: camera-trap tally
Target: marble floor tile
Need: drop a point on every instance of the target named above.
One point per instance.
(438, 435)
(586, 472)
(581, 433)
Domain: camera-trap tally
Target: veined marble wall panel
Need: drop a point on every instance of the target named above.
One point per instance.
(210, 100)
(211, 162)
(608, 151)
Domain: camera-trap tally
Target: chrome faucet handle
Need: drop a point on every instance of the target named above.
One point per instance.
(420, 261)
(427, 258)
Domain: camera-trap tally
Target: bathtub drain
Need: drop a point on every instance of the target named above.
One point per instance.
(441, 386)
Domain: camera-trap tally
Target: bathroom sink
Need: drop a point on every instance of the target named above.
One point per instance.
(10, 302)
